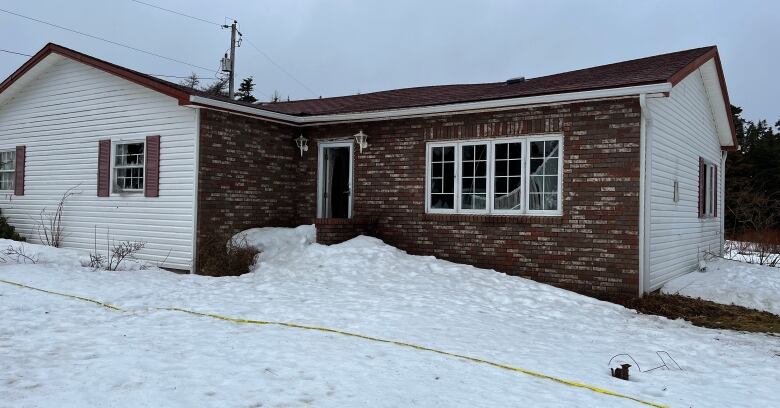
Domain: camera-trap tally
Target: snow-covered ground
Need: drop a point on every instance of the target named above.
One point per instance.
(732, 282)
(58, 352)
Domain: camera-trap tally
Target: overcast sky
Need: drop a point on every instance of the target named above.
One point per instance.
(348, 46)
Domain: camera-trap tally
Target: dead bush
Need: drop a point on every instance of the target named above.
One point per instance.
(49, 224)
(222, 256)
(755, 247)
(116, 252)
(19, 254)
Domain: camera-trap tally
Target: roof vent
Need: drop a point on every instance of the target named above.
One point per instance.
(515, 80)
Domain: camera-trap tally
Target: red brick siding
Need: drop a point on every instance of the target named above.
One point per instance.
(592, 248)
(336, 230)
(247, 175)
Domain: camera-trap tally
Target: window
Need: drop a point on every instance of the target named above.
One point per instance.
(129, 159)
(708, 189)
(7, 169)
(501, 176)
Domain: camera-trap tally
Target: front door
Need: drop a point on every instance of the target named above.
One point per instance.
(335, 180)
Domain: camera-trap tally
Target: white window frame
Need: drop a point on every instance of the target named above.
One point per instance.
(13, 172)
(525, 176)
(114, 144)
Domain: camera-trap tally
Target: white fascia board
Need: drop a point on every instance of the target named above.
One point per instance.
(436, 109)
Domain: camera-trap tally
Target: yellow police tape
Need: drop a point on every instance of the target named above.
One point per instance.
(361, 336)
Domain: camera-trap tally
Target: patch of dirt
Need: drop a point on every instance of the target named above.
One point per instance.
(705, 313)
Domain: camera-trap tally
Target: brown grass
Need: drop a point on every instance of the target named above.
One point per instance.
(705, 313)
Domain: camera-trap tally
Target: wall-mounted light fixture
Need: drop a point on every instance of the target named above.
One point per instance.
(361, 138)
(302, 143)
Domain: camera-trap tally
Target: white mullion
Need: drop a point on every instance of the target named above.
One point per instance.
(456, 188)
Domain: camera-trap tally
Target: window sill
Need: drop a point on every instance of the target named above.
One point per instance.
(495, 218)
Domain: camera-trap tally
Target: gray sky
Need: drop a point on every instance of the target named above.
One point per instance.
(347, 46)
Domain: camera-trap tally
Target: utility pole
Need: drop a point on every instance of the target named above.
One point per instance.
(231, 68)
(232, 59)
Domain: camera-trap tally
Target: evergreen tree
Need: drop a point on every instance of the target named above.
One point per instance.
(7, 231)
(218, 87)
(753, 173)
(244, 93)
(191, 81)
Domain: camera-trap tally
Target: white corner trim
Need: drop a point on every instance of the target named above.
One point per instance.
(436, 109)
(644, 188)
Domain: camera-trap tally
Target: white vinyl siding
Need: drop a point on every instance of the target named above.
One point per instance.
(60, 116)
(681, 128)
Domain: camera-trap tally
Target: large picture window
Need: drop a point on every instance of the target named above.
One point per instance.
(500, 176)
(129, 159)
(7, 169)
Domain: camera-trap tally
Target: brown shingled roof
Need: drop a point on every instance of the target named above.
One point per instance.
(643, 71)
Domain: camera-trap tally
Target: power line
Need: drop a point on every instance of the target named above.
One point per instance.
(176, 12)
(280, 67)
(268, 57)
(17, 53)
(105, 40)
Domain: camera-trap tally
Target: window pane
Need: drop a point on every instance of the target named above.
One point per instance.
(535, 201)
(551, 202)
(537, 149)
(7, 180)
(442, 177)
(515, 150)
(551, 148)
(515, 167)
(449, 153)
(501, 168)
(437, 169)
(443, 201)
(7, 160)
(509, 195)
(502, 150)
(473, 177)
(448, 179)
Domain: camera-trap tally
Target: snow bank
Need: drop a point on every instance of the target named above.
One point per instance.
(732, 282)
(271, 241)
(42, 254)
(57, 352)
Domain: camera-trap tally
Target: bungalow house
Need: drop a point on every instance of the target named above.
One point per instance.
(607, 180)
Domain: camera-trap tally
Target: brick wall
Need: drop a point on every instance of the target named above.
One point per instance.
(248, 177)
(336, 230)
(592, 248)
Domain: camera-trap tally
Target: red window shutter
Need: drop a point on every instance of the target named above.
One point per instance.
(21, 155)
(104, 168)
(702, 186)
(715, 191)
(152, 178)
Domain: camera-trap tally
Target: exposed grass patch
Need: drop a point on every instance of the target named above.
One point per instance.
(705, 313)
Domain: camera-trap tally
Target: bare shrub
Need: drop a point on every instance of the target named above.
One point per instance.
(49, 224)
(222, 256)
(116, 252)
(19, 254)
(752, 209)
(755, 247)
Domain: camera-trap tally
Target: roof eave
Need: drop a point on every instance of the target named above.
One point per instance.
(50, 48)
(462, 107)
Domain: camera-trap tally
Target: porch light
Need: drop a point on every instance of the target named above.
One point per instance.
(361, 138)
(302, 143)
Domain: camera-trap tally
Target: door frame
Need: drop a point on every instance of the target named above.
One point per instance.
(321, 176)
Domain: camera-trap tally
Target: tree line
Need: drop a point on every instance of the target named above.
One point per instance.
(219, 87)
(753, 178)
